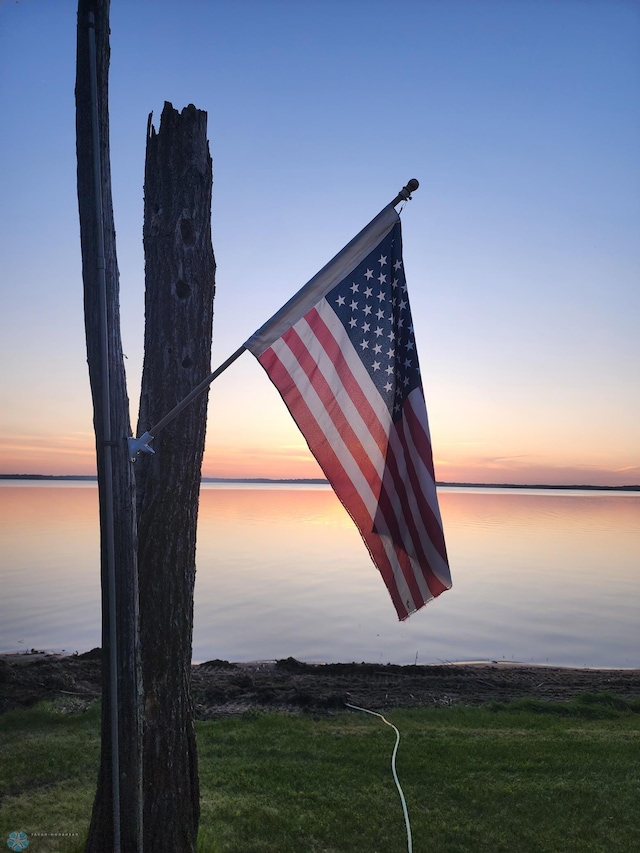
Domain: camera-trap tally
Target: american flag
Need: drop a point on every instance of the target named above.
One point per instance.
(342, 354)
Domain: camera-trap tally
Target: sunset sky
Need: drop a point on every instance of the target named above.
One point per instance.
(520, 119)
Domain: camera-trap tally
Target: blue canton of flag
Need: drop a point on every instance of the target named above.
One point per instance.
(373, 306)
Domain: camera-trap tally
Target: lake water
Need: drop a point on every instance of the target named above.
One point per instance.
(539, 576)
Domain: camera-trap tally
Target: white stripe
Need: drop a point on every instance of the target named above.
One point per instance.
(416, 401)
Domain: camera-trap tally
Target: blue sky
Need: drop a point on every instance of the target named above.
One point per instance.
(520, 119)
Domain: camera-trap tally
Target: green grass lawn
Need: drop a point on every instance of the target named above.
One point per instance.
(529, 777)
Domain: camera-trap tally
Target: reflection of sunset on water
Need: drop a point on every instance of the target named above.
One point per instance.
(539, 576)
(315, 503)
(50, 519)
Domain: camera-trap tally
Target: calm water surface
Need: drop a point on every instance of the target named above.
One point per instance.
(539, 576)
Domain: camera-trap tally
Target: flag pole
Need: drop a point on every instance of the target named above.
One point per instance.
(107, 443)
(141, 444)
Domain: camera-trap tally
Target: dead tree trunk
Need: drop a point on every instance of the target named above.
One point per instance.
(180, 274)
(109, 392)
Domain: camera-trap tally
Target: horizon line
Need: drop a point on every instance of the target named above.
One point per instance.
(322, 481)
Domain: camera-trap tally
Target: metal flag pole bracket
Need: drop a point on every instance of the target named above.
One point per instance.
(141, 444)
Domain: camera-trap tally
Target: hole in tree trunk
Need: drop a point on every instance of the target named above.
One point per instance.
(183, 291)
(188, 232)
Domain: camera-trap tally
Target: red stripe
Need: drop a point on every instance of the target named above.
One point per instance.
(420, 438)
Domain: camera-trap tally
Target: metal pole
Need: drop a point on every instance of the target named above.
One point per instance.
(141, 444)
(107, 443)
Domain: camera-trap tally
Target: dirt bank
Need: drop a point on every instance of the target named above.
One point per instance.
(221, 688)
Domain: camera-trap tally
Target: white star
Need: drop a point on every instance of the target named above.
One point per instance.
(407, 362)
(354, 287)
(366, 327)
(364, 344)
(368, 274)
(376, 365)
(392, 335)
(388, 387)
(394, 283)
(379, 313)
(383, 260)
(377, 349)
(378, 332)
(354, 305)
(367, 309)
(389, 370)
(403, 304)
(405, 381)
(382, 279)
(400, 323)
(368, 292)
(390, 353)
(353, 322)
(340, 300)
(397, 265)
(382, 296)
(410, 345)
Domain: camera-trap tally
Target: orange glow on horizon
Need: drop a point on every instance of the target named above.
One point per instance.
(75, 455)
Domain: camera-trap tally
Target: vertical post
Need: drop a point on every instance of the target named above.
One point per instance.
(116, 820)
(179, 292)
(109, 532)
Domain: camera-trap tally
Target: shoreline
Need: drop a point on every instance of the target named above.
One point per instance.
(28, 656)
(220, 688)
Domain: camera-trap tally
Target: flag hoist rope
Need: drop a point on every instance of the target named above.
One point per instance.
(141, 444)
